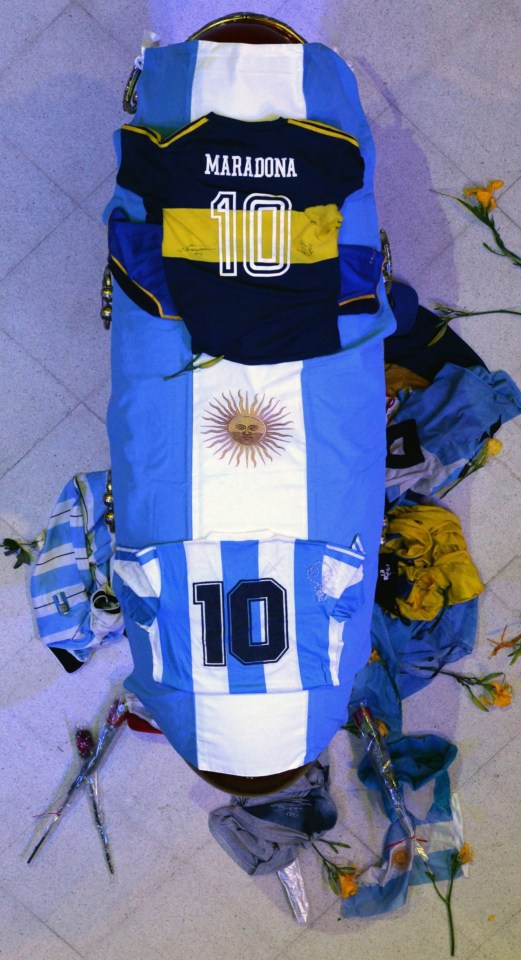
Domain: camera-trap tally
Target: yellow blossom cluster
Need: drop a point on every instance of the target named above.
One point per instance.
(348, 885)
(466, 853)
(499, 696)
(485, 195)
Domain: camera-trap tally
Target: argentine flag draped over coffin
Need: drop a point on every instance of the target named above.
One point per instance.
(235, 486)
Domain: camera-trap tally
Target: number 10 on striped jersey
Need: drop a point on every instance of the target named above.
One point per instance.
(266, 233)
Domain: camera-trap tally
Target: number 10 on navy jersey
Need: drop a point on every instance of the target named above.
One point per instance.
(266, 233)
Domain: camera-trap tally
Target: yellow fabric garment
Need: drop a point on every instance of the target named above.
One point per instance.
(398, 378)
(327, 218)
(433, 556)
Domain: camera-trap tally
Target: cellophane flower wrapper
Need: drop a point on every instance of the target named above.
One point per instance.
(381, 762)
(421, 763)
(85, 747)
(113, 721)
(293, 883)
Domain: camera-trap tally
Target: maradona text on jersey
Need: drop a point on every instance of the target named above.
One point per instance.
(234, 166)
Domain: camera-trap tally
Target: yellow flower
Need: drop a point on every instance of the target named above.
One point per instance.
(499, 696)
(494, 446)
(375, 657)
(490, 448)
(466, 854)
(502, 696)
(348, 885)
(382, 728)
(485, 195)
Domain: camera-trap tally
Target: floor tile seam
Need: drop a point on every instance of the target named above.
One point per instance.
(412, 79)
(507, 215)
(490, 589)
(396, 109)
(38, 441)
(441, 151)
(507, 187)
(98, 218)
(102, 420)
(360, 65)
(447, 55)
(108, 30)
(51, 929)
(16, 146)
(418, 272)
(494, 932)
(300, 931)
(8, 523)
(467, 780)
(512, 472)
(38, 244)
(487, 580)
(187, 862)
(32, 40)
(65, 384)
(516, 421)
(442, 251)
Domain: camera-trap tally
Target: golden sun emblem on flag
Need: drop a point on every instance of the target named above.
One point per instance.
(246, 431)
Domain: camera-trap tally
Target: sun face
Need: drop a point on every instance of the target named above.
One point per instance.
(246, 432)
(401, 858)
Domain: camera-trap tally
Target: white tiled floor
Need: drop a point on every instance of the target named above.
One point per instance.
(441, 83)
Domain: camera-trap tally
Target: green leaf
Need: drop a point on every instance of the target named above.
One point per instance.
(441, 333)
(208, 363)
(10, 544)
(333, 883)
(333, 846)
(491, 249)
(476, 702)
(476, 211)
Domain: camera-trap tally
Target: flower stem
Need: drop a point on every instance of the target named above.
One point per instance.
(447, 901)
(504, 249)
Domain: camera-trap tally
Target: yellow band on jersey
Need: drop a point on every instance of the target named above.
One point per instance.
(290, 236)
(324, 128)
(158, 139)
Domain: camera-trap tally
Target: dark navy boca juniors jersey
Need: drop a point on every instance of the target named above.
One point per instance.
(250, 214)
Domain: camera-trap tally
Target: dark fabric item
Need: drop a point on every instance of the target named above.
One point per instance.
(404, 303)
(438, 430)
(137, 264)
(390, 583)
(415, 760)
(67, 660)
(410, 454)
(409, 346)
(263, 837)
(360, 272)
(269, 304)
